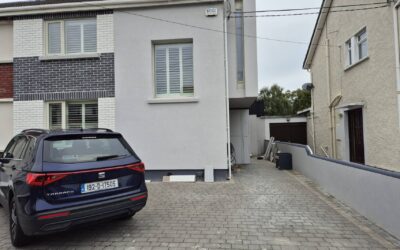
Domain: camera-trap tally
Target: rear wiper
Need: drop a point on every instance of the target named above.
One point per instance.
(107, 157)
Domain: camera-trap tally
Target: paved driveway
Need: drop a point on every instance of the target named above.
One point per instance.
(262, 208)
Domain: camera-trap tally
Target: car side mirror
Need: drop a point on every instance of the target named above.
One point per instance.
(6, 158)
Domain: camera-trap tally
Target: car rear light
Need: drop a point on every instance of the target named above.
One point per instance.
(138, 197)
(139, 167)
(55, 215)
(33, 179)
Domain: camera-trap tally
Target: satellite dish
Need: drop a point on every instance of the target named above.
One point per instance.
(308, 86)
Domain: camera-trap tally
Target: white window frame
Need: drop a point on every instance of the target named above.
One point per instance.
(359, 42)
(352, 53)
(175, 95)
(64, 111)
(63, 39)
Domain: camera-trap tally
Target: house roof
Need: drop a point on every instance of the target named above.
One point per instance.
(319, 26)
(39, 2)
(55, 6)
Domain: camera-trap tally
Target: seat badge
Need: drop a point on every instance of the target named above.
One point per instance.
(102, 175)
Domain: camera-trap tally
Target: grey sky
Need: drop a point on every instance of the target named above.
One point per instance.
(281, 63)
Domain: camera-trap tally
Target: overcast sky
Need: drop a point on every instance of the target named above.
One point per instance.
(281, 63)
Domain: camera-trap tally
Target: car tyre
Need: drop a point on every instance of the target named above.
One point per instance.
(18, 237)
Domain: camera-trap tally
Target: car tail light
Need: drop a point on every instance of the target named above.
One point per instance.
(33, 179)
(55, 215)
(140, 197)
(139, 167)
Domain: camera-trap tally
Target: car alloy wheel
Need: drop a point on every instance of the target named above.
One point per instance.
(18, 238)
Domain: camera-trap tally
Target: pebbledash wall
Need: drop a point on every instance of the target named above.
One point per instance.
(39, 78)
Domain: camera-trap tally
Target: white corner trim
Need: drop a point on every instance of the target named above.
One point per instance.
(356, 63)
(172, 100)
(6, 100)
(69, 57)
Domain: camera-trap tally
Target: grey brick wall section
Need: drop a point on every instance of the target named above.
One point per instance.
(74, 79)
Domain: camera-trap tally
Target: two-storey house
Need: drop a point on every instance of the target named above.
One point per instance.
(176, 78)
(353, 58)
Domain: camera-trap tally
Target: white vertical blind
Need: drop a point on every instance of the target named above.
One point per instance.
(90, 36)
(55, 116)
(54, 38)
(187, 69)
(80, 36)
(161, 71)
(82, 115)
(91, 115)
(174, 69)
(74, 116)
(73, 37)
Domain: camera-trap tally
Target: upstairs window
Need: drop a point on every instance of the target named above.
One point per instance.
(362, 44)
(68, 37)
(174, 70)
(356, 48)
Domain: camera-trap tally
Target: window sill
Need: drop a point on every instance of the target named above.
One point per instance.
(356, 63)
(69, 57)
(173, 100)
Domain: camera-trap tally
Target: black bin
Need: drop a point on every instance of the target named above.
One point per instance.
(284, 161)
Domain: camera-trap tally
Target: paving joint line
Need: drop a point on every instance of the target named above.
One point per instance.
(384, 242)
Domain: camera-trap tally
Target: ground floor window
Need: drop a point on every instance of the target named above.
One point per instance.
(70, 115)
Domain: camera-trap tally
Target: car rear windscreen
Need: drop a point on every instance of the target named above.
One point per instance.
(84, 149)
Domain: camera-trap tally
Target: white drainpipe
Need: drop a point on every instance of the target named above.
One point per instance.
(228, 128)
(397, 51)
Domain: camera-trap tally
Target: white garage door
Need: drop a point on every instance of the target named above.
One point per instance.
(6, 123)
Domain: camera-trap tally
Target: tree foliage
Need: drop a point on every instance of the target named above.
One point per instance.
(278, 102)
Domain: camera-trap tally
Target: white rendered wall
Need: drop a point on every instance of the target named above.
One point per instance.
(372, 194)
(188, 135)
(240, 135)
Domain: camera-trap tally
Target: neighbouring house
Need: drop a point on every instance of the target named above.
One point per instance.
(176, 78)
(354, 62)
(6, 82)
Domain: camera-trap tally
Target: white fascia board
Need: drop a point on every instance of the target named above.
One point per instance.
(319, 27)
(94, 5)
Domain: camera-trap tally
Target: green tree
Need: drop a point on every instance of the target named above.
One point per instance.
(278, 102)
(301, 99)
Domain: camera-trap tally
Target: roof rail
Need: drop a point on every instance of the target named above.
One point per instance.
(98, 129)
(39, 130)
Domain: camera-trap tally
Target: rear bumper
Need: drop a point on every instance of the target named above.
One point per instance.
(33, 225)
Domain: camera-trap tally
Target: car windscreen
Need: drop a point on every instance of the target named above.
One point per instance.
(84, 149)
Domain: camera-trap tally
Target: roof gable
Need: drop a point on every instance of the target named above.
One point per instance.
(319, 26)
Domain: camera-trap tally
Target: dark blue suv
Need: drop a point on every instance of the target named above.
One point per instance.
(54, 180)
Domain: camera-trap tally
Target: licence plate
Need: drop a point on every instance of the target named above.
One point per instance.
(99, 186)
